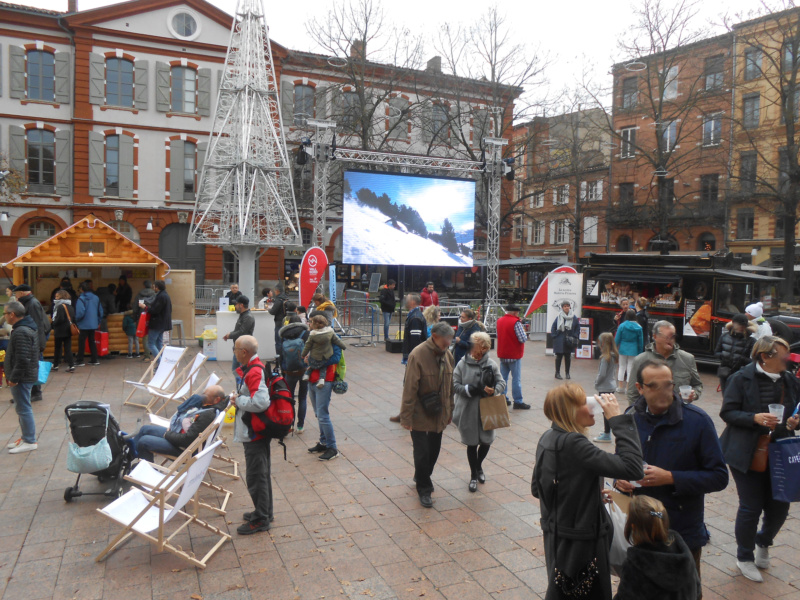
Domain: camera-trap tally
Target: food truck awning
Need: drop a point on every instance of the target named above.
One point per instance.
(636, 276)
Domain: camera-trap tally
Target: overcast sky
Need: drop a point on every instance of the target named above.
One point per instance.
(569, 30)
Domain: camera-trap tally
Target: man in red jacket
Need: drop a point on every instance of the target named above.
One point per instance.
(511, 340)
(429, 297)
(252, 396)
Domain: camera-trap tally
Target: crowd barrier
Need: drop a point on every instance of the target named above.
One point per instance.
(359, 320)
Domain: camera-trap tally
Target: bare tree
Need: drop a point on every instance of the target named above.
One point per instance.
(12, 182)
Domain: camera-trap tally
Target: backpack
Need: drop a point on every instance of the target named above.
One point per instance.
(293, 355)
(276, 422)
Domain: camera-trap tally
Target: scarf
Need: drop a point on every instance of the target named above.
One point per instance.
(773, 376)
(563, 318)
(467, 325)
(58, 302)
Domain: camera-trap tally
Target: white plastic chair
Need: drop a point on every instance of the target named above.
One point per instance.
(162, 379)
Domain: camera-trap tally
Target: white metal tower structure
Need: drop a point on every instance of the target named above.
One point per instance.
(494, 164)
(245, 201)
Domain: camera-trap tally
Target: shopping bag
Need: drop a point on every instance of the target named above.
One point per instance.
(44, 372)
(88, 459)
(143, 326)
(784, 469)
(100, 343)
(619, 545)
(494, 413)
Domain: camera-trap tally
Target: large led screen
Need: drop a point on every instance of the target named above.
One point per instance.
(394, 219)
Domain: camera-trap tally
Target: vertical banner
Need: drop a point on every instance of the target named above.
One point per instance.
(332, 283)
(312, 269)
(540, 297)
(561, 287)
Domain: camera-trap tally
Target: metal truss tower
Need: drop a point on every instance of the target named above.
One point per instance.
(494, 164)
(245, 201)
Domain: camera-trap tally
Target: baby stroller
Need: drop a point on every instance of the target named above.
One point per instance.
(98, 448)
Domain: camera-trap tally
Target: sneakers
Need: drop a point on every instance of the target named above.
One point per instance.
(318, 448)
(762, 557)
(750, 571)
(138, 355)
(54, 368)
(95, 364)
(129, 355)
(248, 516)
(299, 429)
(329, 454)
(320, 384)
(71, 370)
(80, 364)
(604, 438)
(14, 444)
(521, 406)
(23, 447)
(251, 527)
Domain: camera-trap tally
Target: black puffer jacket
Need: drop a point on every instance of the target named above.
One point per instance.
(733, 349)
(22, 354)
(659, 572)
(34, 309)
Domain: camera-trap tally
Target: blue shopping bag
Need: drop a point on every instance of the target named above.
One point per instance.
(784, 469)
(44, 371)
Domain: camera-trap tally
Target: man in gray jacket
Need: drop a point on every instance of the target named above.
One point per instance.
(34, 309)
(245, 325)
(22, 371)
(682, 364)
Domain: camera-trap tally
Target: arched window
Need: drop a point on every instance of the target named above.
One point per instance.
(184, 90)
(41, 229)
(624, 243)
(706, 242)
(126, 229)
(41, 161)
(41, 75)
(119, 82)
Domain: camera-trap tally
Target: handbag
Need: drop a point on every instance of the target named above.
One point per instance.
(44, 372)
(572, 342)
(73, 329)
(784, 469)
(618, 552)
(494, 413)
(89, 459)
(761, 455)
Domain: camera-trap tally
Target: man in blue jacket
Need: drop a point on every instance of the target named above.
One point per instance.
(681, 452)
(88, 314)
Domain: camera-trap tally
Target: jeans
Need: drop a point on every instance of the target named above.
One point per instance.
(514, 368)
(132, 339)
(150, 439)
(320, 401)
(387, 318)
(83, 336)
(302, 396)
(755, 497)
(259, 478)
(427, 445)
(65, 344)
(155, 342)
(21, 393)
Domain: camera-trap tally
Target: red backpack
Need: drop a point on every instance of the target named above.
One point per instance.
(276, 422)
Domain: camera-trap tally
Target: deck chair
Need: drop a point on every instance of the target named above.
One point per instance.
(155, 419)
(184, 382)
(148, 475)
(146, 514)
(162, 378)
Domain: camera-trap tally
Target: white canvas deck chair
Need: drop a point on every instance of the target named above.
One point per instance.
(146, 515)
(148, 475)
(162, 378)
(163, 421)
(184, 382)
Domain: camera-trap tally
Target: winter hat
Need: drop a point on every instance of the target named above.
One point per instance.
(740, 319)
(23, 287)
(755, 310)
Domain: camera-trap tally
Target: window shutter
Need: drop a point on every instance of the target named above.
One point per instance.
(204, 92)
(141, 70)
(583, 191)
(552, 232)
(287, 103)
(530, 233)
(17, 150)
(176, 170)
(125, 166)
(16, 67)
(202, 147)
(162, 87)
(97, 163)
(63, 162)
(599, 194)
(97, 78)
(62, 77)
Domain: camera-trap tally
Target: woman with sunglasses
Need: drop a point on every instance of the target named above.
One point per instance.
(746, 410)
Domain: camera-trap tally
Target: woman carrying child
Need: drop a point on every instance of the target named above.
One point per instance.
(319, 350)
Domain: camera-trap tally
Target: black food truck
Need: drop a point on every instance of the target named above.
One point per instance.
(698, 293)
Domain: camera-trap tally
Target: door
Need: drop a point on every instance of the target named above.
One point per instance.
(180, 286)
(179, 255)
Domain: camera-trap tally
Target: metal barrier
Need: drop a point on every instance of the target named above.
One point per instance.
(356, 295)
(206, 298)
(358, 319)
(450, 309)
(538, 323)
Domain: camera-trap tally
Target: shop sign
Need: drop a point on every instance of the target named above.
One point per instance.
(312, 270)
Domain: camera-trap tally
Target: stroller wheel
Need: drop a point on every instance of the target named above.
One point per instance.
(68, 495)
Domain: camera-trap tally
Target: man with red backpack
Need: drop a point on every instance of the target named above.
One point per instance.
(252, 396)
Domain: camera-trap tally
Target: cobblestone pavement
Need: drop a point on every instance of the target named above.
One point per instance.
(351, 528)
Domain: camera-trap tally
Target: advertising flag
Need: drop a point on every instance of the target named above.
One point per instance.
(540, 297)
(312, 269)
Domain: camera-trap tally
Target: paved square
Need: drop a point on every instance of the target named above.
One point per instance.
(352, 528)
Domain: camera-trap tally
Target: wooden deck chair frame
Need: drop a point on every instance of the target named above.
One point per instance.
(209, 436)
(148, 375)
(185, 382)
(158, 500)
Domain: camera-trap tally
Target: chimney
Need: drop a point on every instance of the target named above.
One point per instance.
(72, 6)
(434, 65)
(358, 49)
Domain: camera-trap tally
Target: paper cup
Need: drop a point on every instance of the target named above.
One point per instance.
(593, 405)
(777, 410)
(685, 391)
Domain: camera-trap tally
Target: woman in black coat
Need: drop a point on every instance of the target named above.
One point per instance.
(63, 313)
(564, 326)
(467, 325)
(568, 481)
(745, 410)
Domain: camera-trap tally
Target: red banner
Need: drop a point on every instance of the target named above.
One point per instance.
(312, 270)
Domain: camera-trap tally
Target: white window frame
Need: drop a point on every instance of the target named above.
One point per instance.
(628, 142)
(538, 233)
(712, 124)
(561, 195)
(669, 134)
(518, 227)
(537, 200)
(592, 191)
(562, 231)
(590, 229)
(671, 83)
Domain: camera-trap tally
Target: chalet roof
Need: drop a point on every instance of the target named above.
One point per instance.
(64, 248)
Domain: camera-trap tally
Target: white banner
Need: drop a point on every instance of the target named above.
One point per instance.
(561, 287)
